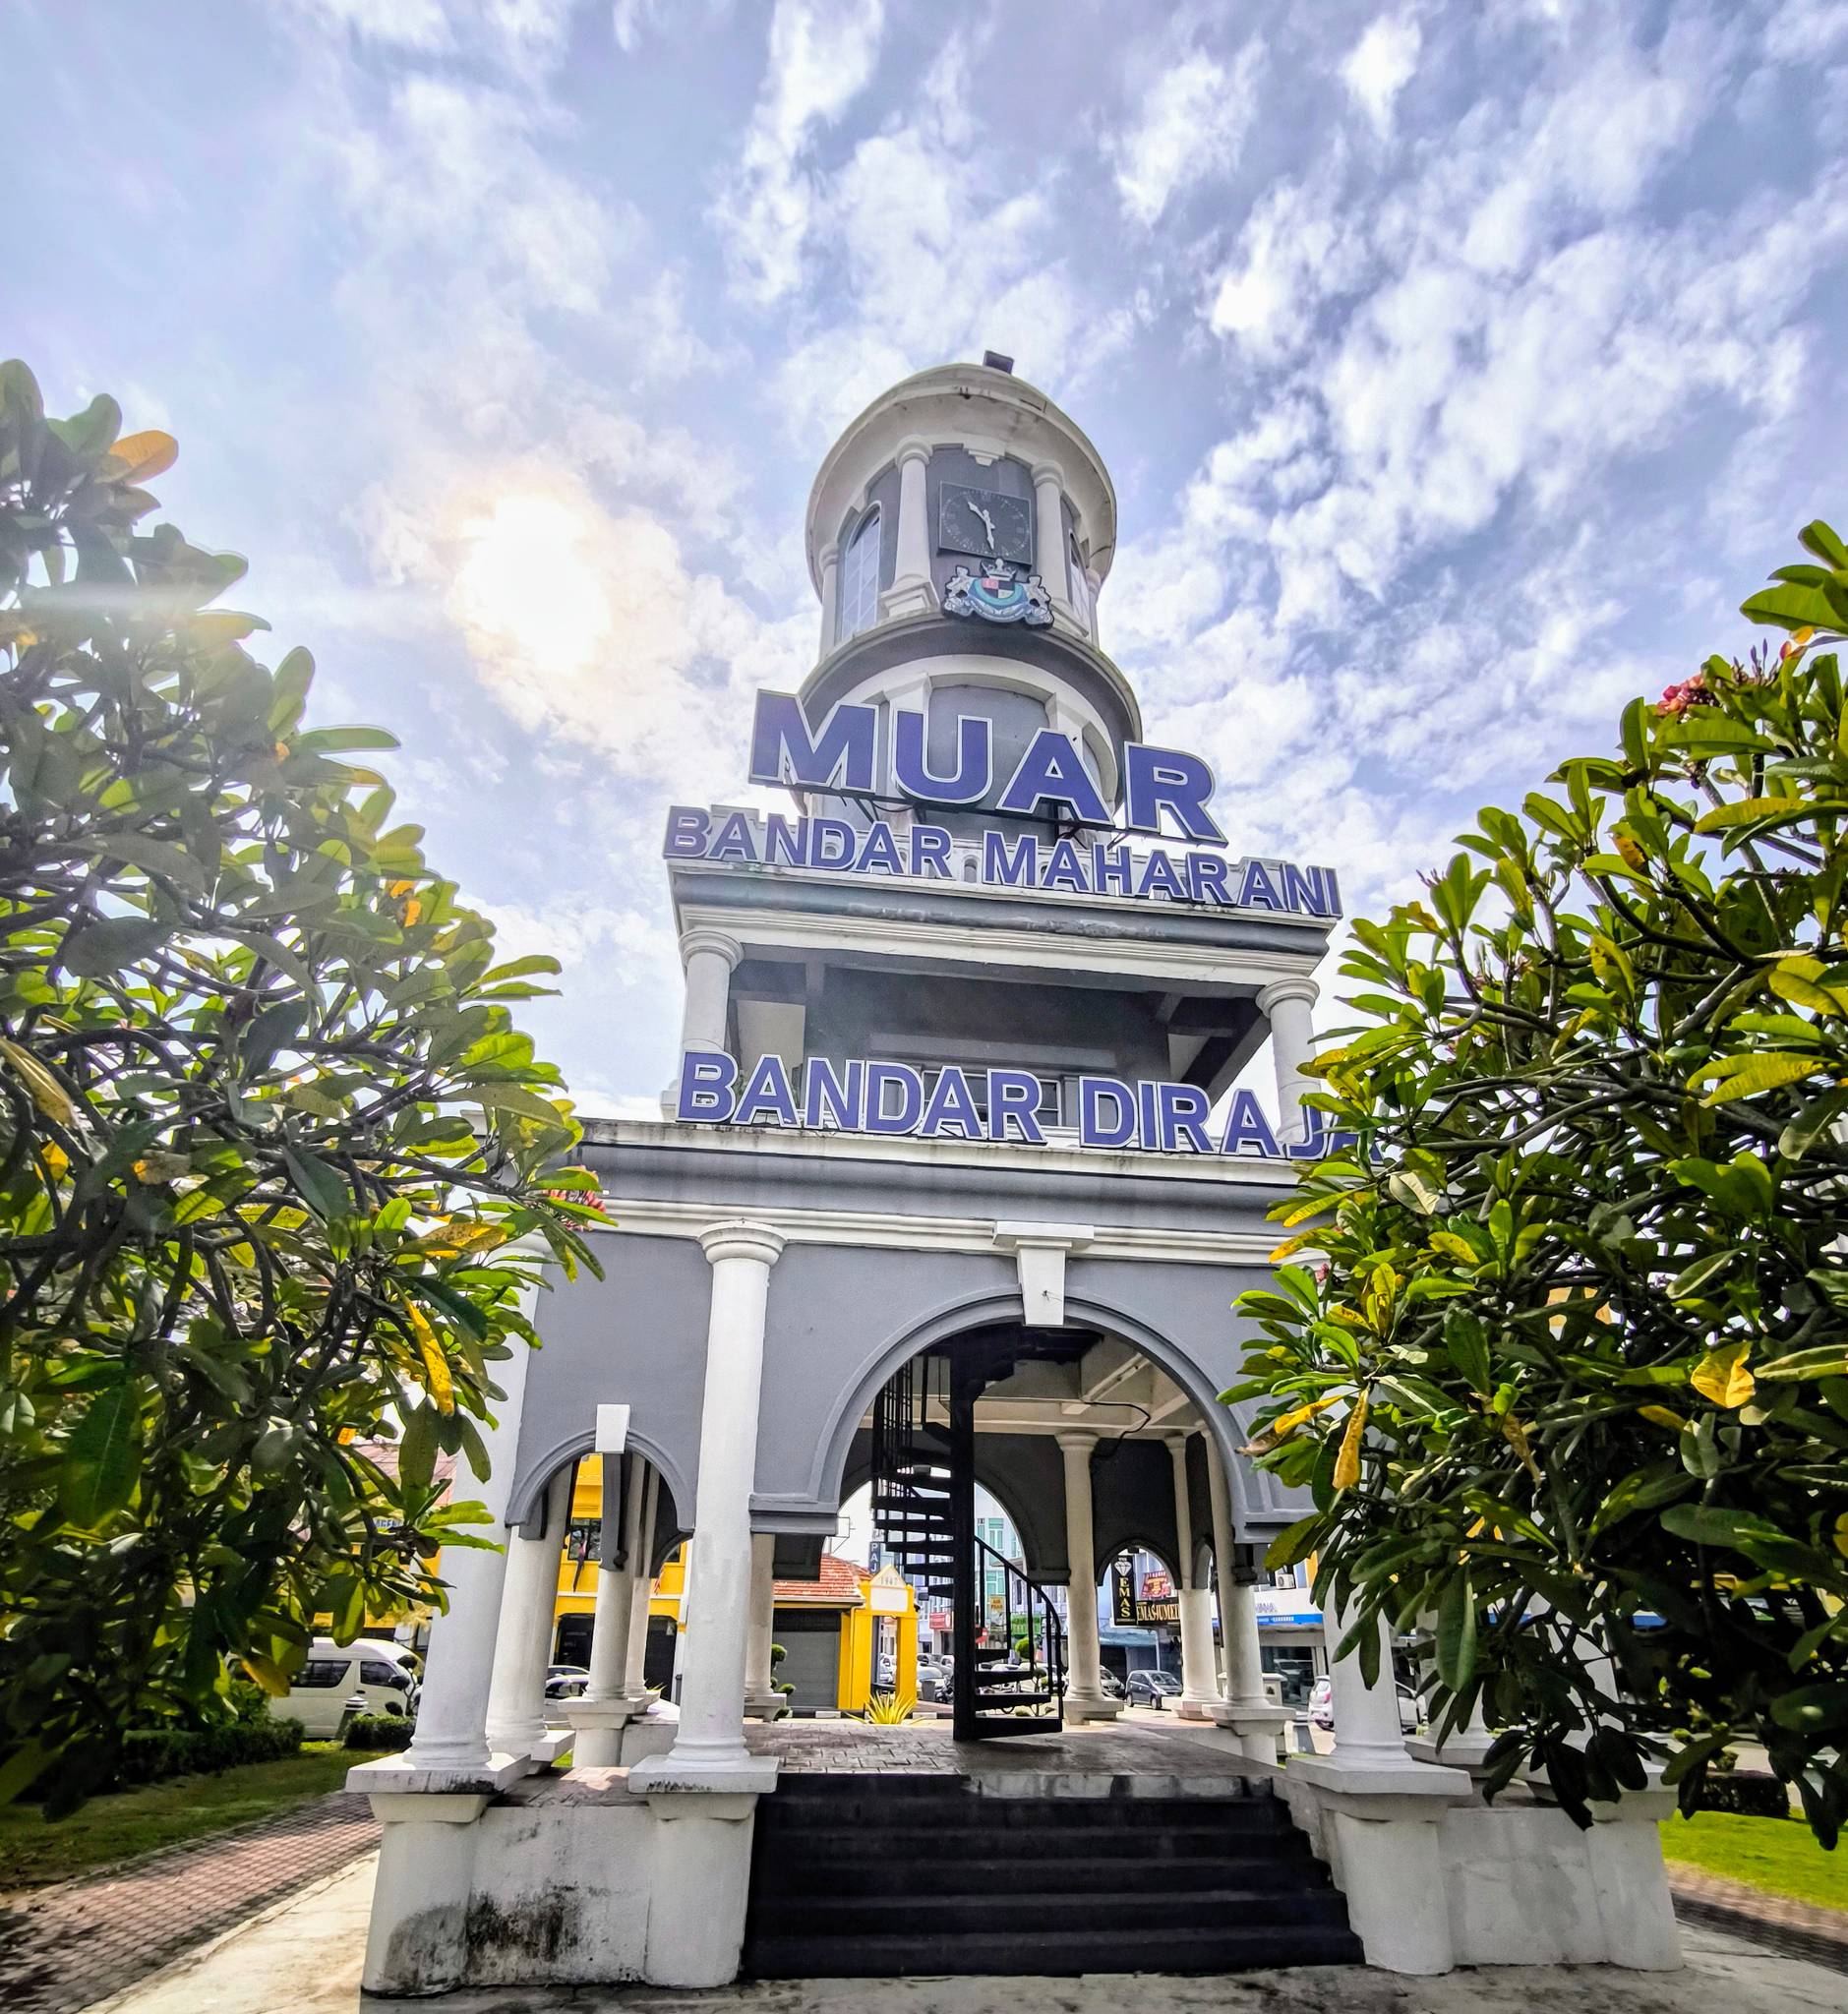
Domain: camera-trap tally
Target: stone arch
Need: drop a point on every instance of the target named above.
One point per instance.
(529, 1486)
(952, 1317)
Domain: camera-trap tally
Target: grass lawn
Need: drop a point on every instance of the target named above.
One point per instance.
(134, 1822)
(1778, 1855)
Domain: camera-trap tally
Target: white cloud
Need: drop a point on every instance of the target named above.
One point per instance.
(1189, 127)
(1380, 66)
(822, 54)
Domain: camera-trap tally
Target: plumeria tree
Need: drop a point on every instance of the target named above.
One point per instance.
(272, 1156)
(1560, 1337)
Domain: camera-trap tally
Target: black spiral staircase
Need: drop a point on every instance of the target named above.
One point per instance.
(923, 1507)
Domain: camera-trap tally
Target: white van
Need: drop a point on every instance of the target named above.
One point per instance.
(333, 1674)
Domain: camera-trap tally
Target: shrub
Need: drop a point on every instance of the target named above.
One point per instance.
(380, 1731)
(153, 1754)
(1754, 1792)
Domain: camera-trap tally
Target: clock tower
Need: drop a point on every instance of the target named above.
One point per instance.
(958, 534)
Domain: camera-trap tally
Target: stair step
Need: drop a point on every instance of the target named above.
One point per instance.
(949, 1841)
(1254, 1818)
(969, 1910)
(1060, 1953)
(992, 1726)
(1120, 1872)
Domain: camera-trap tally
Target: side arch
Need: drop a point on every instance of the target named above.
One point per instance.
(528, 1496)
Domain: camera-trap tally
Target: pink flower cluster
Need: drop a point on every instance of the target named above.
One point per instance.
(1690, 693)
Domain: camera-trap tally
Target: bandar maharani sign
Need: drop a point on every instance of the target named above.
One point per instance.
(1049, 780)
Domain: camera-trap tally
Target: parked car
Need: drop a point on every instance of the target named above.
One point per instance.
(565, 1681)
(1150, 1689)
(370, 1674)
(1321, 1708)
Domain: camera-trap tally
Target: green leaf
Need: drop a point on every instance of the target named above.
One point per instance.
(102, 947)
(1819, 538)
(152, 857)
(1788, 606)
(1294, 1545)
(1710, 1525)
(1456, 1634)
(321, 1187)
(1813, 1710)
(102, 1458)
(515, 1097)
(1748, 1075)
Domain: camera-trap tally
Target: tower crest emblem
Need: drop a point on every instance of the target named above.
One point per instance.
(999, 593)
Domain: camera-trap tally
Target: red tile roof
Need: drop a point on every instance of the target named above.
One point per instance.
(838, 1588)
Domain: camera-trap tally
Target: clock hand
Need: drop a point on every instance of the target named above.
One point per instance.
(987, 522)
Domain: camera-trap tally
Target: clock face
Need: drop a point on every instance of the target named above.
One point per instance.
(985, 523)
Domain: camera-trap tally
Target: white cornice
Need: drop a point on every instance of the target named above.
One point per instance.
(1056, 1157)
(893, 1230)
(982, 943)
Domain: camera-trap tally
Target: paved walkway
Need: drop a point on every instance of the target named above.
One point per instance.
(1156, 1747)
(305, 1958)
(1799, 1930)
(64, 1947)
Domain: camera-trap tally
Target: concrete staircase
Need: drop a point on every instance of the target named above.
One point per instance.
(882, 1876)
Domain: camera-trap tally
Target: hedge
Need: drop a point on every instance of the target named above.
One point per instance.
(1754, 1792)
(153, 1754)
(380, 1731)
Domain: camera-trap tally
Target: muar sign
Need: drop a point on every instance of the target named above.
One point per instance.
(1051, 780)
(998, 1105)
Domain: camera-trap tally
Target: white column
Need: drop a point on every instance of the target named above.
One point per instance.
(1048, 537)
(453, 1708)
(1084, 1697)
(709, 1743)
(709, 958)
(602, 1710)
(529, 1597)
(1096, 585)
(1246, 1707)
(641, 1592)
(1367, 1732)
(760, 1702)
(1198, 1693)
(911, 592)
(830, 596)
(1286, 1004)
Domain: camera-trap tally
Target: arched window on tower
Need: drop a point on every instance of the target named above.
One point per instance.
(1079, 587)
(859, 577)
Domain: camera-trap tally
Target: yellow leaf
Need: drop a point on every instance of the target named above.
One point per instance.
(1296, 1242)
(1758, 1072)
(1285, 1424)
(56, 1160)
(1515, 1435)
(1840, 1539)
(146, 454)
(1628, 851)
(1611, 961)
(1348, 1462)
(1793, 980)
(1455, 1247)
(1723, 1377)
(269, 1675)
(49, 1094)
(437, 1379)
(1303, 1211)
(1664, 1416)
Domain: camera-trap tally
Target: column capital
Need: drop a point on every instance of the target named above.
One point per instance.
(1047, 471)
(829, 554)
(1298, 986)
(702, 938)
(737, 1237)
(1076, 1440)
(913, 447)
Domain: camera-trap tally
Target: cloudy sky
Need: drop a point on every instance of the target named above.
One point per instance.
(1461, 369)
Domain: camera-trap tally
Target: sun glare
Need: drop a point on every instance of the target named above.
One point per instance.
(529, 584)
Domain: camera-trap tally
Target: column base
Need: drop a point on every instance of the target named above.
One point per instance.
(1097, 1707)
(744, 1772)
(765, 1705)
(1464, 1749)
(908, 597)
(1196, 1709)
(1256, 1725)
(1376, 1780)
(402, 1774)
